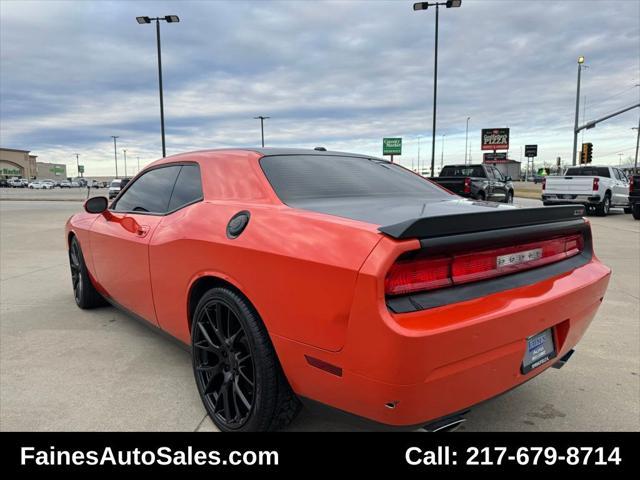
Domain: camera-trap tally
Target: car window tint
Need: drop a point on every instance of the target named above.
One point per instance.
(188, 188)
(295, 177)
(150, 193)
(462, 171)
(588, 172)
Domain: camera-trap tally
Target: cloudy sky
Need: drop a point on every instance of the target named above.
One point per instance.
(341, 74)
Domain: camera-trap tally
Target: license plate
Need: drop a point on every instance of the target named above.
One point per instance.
(518, 257)
(540, 349)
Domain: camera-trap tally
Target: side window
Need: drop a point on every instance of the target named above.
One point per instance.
(490, 174)
(188, 187)
(149, 193)
(497, 174)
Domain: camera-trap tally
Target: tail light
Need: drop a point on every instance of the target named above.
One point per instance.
(632, 180)
(544, 183)
(596, 182)
(424, 273)
(467, 185)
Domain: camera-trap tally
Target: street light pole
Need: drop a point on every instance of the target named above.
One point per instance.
(424, 6)
(262, 119)
(442, 152)
(466, 141)
(575, 127)
(78, 162)
(125, 162)
(419, 138)
(168, 19)
(115, 153)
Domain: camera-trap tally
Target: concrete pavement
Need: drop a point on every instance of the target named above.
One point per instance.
(62, 368)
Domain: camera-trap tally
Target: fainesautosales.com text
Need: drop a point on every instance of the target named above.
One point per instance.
(145, 457)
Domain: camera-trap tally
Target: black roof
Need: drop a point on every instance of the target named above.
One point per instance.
(270, 151)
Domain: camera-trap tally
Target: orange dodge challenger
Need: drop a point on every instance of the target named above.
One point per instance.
(340, 278)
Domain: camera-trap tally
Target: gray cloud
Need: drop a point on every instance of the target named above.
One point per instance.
(340, 74)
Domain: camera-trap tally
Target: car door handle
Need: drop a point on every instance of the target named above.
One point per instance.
(142, 230)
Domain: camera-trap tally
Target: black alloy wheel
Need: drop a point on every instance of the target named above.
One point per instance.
(84, 293)
(223, 364)
(76, 270)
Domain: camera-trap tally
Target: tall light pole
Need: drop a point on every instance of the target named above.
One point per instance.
(125, 162)
(442, 152)
(115, 152)
(262, 119)
(635, 163)
(419, 170)
(78, 162)
(466, 141)
(424, 6)
(168, 19)
(575, 127)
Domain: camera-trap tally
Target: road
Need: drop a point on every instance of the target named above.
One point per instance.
(62, 368)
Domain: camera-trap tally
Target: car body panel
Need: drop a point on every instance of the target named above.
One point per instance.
(315, 274)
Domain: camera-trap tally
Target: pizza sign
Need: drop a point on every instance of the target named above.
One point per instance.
(495, 139)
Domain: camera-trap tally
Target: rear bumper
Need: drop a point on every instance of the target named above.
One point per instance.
(570, 199)
(411, 368)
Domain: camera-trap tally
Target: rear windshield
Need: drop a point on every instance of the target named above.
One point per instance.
(296, 177)
(462, 171)
(587, 172)
(115, 183)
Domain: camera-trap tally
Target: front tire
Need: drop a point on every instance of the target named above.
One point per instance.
(628, 210)
(636, 211)
(84, 293)
(509, 197)
(236, 369)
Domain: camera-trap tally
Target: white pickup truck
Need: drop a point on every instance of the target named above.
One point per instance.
(598, 188)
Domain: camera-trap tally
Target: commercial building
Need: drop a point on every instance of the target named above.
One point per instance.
(17, 163)
(53, 171)
(20, 163)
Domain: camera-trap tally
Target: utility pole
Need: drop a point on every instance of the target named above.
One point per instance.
(78, 163)
(635, 164)
(442, 152)
(115, 152)
(466, 141)
(262, 119)
(125, 162)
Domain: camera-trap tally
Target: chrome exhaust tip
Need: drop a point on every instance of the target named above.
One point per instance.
(450, 424)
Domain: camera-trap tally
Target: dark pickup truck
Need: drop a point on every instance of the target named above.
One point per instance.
(634, 195)
(480, 182)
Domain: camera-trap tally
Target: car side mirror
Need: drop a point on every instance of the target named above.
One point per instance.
(96, 204)
(508, 179)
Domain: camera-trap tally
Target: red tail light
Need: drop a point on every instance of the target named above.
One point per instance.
(596, 181)
(544, 183)
(632, 180)
(467, 185)
(420, 274)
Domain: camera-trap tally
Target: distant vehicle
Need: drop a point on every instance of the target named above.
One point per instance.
(65, 184)
(52, 183)
(598, 188)
(634, 195)
(94, 184)
(75, 184)
(40, 185)
(15, 183)
(480, 182)
(4, 183)
(117, 184)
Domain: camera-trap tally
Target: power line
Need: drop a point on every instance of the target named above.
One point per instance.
(599, 102)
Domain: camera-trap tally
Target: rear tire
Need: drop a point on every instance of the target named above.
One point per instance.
(237, 372)
(628, 210)
(482, 196)
(602, 209)
(84, 293)
(636, 211)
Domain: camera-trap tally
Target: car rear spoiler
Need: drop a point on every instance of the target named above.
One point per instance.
(445, 225)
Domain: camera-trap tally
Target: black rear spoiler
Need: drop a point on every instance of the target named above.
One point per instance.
(445, 225)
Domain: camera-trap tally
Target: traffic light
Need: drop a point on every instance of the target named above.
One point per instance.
(586, 155)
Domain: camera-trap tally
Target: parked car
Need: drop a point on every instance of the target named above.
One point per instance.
(481, 182)
(342, 278)
(634, 195)
(598, 188)
(117, 184)
(65, 184)
(16, 183)
(4, 183)
(75, 184)
(40, 185)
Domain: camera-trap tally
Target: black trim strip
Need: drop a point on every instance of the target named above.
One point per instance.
(436, 298)
(443, 225)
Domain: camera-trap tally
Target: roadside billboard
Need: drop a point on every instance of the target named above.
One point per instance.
(495, 139)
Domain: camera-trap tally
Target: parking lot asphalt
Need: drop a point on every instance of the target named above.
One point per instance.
(62, 368)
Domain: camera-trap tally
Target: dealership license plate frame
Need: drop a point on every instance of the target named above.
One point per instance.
(540, 349)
